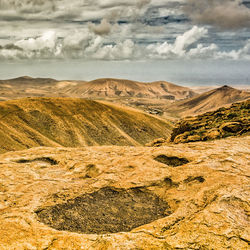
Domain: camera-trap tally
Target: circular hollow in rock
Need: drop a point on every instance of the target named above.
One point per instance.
(107, 210)
(172, 161)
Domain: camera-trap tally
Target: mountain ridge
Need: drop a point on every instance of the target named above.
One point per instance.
(110, 87)
(99, 88)
(211, 100)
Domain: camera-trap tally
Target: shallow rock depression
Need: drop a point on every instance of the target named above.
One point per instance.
(107, 210)
(172, 161)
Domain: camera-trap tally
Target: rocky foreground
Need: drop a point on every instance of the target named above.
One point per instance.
(184, 196)
(224, 122)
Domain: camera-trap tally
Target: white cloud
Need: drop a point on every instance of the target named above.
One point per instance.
(245, 51)
(76, 40)
(44, 46)
(242, 53)
(94, 45)
(125, 50)
(203, 52)
(188, 38)
(86, 45)
(46, 41)
(178, 48)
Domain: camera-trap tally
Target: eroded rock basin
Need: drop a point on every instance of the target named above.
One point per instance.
(107, 210)
(208, 197)
(172, 161)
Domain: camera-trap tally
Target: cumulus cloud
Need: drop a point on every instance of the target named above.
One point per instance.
(203, 52)
(46, 41)
(103, 28)
(75, 45)
(242, 53)
(88, 45)
(186, 46)
(225, 14)
(120, 51)
(178, 48)
(44, 46)
(188, 38)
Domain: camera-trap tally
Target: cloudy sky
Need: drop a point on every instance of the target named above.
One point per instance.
(136, 39)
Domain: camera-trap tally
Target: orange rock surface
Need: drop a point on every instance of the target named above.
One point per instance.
(205, 184)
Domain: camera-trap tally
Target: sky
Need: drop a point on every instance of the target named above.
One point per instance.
(185, 41)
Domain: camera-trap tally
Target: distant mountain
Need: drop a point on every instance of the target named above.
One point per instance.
(69, 122)
(109, 87)
(26, 86)
(208, 101)
(27, 80)
(100, 88)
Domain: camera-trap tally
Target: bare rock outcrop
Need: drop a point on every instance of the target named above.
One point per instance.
(224, 122)
(183, 196)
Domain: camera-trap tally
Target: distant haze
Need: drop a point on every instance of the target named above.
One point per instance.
(189, 73)
(183, 41)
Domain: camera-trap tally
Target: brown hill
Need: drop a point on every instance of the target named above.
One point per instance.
(108, 87)
(208, 101)
(26, 86)
(69, 122)
(27, 80)
(184, 196)
(99, 88)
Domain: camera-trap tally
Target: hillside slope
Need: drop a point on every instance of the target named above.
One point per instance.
(208, 101)
(69, 122)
